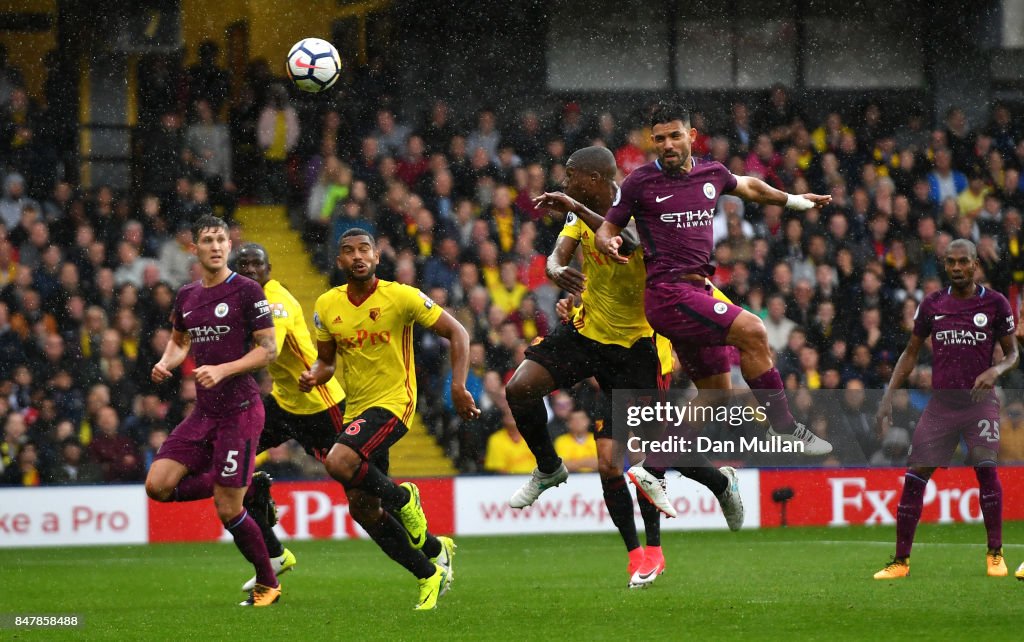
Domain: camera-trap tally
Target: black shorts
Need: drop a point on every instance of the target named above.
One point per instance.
(571, 357)
(316, 432)
(372, 433)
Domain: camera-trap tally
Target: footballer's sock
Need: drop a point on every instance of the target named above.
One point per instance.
(771, 394)
(432, 546)
(708, 475)
(370, 479)
(991, 501)
(532, 419)
(193, 487)
(908, 513)
(274, 546)
(652, 520)
(249, 541)
(620, 508)
(391, 538)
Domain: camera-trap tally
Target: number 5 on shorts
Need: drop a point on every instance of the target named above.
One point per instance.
(989, 430)
(230, 464)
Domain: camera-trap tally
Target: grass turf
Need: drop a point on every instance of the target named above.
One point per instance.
(772, 584)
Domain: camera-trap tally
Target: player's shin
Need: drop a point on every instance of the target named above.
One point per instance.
(531, 418)
(652, 521)
(908, 513)
(620, 509)
(991, 500)
(249, 541)
(771, 395)
(389, 535)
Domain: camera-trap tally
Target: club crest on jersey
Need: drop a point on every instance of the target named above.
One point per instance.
(374, 314)
(221, 310)
(709, 191)
(981, 319)
(721, 307)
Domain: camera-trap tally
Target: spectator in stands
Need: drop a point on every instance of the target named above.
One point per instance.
(74, 467)
(208, 154)
(507, 451)
(116, 454)
(486, 136)
(24, 470)
(577, 448)
(208, 82)
(277, 135)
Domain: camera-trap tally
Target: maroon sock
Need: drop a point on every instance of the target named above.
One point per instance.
(908, 513)
(771, 394)
(249, 541)
(193, 487)
(991, 501)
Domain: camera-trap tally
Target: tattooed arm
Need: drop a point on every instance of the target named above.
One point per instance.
(263, 352)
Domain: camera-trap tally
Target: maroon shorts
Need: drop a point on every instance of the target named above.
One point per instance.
(941, 428)
(701, 362)
(225, 445)
(694, 321)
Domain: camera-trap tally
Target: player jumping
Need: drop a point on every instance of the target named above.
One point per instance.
(964, 322)
(369, 324)
(673, 200)
(608, 338)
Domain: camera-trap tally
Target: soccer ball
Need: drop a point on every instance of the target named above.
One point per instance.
(313, 65)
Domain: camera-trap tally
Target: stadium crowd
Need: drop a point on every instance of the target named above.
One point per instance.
(88, 276)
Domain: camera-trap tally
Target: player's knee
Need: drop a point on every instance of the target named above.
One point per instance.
(158, 490)
(342, 463)
(517, 390)
(365, 514)
(608, 468)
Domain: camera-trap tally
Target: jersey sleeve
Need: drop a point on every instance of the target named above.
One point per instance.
(572, 227)
(625, 198)
(178, 321)
(729, 181)
(281, 306)
(420, 308)
(1004, 324)
(256, 309)
(319, 314)
(923, 319)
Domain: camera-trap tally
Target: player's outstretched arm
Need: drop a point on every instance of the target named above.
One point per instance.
(558, 270)
(900, 374)
(322, 369)
(987, 380)
(264, 351)
(447, 327)
(754, 189)
(608, 240)
(174, 354)
(561, 202)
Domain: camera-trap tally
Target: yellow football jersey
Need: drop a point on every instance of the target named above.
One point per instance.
(613, 301)
(374, 342)
(569, 449)
(295, 354)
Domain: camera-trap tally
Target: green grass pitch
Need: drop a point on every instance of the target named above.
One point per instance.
(795, 584)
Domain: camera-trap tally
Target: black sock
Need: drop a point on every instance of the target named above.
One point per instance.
(374, 482)
(708, 475)
(390, 537)
(620, 508)
(532, 420)
(431, 547)
(274, 546)
(652, 520)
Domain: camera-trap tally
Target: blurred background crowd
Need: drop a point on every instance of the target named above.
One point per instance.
(88, 276)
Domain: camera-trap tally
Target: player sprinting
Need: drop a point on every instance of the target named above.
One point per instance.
(225, 321)
(964, 323)
(673, 201)
(608, 338)
(369, 324)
